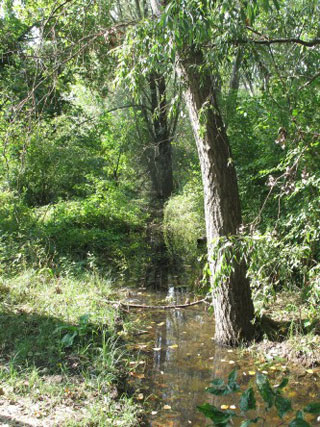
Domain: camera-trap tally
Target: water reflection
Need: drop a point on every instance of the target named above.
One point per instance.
(182, 359)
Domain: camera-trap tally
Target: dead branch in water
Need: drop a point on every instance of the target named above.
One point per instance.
(162, 307)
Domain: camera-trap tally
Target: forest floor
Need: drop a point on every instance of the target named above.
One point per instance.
(62, 357)
(297, 334)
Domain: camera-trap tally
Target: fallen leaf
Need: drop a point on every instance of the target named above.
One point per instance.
(173, 346)
(136, 375)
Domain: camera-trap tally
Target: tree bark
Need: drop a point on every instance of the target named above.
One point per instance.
(160, 152)
(233, 306)
(232, 301)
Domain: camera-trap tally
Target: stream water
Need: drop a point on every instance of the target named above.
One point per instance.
(178, 359)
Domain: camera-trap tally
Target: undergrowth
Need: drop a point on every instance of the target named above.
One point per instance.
(61, 350)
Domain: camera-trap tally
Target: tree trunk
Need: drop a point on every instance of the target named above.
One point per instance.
(160, 152)
(232, 301)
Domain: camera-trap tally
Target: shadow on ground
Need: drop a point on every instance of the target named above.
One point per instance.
(29, 339)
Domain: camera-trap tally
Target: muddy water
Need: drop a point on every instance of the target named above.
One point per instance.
(178, 359)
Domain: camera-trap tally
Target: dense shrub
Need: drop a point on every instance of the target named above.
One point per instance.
(184, 222)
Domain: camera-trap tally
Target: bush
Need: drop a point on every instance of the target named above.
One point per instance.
(184, 222)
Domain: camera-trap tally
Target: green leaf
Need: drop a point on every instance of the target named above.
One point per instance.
(313, 408)
(213, 413)
(232, 377)
(247, 400)
(283, 405)
(248, 422)
(298, 422)
(283, 383)
(220, 389)
(265, 390)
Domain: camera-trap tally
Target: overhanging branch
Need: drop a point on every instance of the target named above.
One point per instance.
(268, 42)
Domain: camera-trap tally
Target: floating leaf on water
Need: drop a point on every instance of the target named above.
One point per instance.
(136, 375)
(141, 346)
(173, 346)
(167, 407)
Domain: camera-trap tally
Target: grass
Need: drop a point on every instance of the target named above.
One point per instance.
(61, 357)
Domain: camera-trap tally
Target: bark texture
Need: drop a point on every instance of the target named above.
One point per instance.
(232, 301)
(160, 152)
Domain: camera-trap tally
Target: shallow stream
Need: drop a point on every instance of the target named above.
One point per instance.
(179, 358)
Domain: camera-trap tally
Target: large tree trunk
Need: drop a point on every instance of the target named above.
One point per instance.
(232, 301)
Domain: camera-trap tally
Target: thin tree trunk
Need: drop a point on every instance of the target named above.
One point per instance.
(160, 158)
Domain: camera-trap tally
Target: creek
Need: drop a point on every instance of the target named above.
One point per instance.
(178, 359)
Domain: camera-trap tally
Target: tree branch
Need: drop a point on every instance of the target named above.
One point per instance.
(268, 42)
(310, 81)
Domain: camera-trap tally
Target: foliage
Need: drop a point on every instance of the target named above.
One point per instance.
(61, 343)
(271, 396)
(184, 222)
